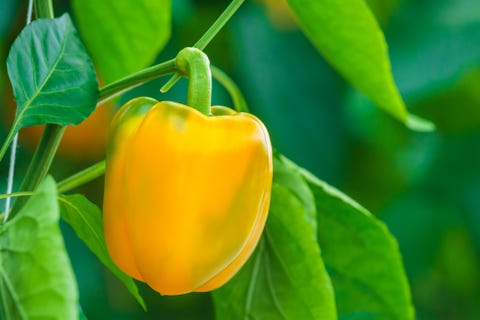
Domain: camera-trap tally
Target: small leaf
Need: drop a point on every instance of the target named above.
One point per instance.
(127, 36)
(285, 278)
(36, 277)
(362, 258)
(52, 76)
(350, 39)
(86, 220)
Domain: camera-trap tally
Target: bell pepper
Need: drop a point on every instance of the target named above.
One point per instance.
(186, 193)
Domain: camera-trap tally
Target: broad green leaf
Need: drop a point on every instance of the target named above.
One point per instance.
(36, 277)
(349, 37)
(123, 36)
(285, 278)
(86, 220)
(362, 258)
(289, 176)
(52, 76)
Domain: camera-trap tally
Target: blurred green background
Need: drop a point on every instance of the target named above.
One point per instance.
(425, 186)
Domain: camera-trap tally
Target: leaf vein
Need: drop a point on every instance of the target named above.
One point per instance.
(99, 238)
(44, 82)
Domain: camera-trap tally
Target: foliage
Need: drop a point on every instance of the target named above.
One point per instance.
(63, 85)
(132, 33)
(62, 88)
(322, 255)
(37, 280)
(286, 277)
(86, 219)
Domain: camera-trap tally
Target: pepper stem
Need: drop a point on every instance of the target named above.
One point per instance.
(194, 64)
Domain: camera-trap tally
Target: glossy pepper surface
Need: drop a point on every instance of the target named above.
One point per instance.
(186, 195)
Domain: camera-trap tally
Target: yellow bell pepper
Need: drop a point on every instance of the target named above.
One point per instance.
(186, 194)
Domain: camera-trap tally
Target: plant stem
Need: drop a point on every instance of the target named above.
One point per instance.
(44, 9)
(194, 64)
(43, 157)
(11, 173)
(8, 140)
(41, 161)
(12, 195)
(82, 177)
(218, 24)
(170, 83)
(208, 36)
(115, 88)
(239, 101)
(15, 194)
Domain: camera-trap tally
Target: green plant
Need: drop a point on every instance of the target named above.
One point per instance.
(321, 256)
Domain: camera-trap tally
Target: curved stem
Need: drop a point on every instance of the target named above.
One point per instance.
(208, 36)
(194, 64)
(82, 177)
(239, 101)
(115, 88)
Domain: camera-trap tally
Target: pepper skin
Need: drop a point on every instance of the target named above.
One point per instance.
(186, 195)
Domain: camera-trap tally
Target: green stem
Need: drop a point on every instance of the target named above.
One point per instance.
(218, 24)
(8, 140)
(209, 35)
(15, 194)
(194, 64)
(44, 9)
(43, 157)
(239, 101)
(41, 162)
(115, 88)
(170, 83)
(82, 177)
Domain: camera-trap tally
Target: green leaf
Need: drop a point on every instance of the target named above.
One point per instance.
(285, 278)
(362, 258)
(127, 35)
(52, 76)
(349, 37)
(86, 220)
(288, 175)
(36, 277)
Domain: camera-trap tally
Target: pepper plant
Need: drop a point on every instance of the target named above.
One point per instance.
(321, 255)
